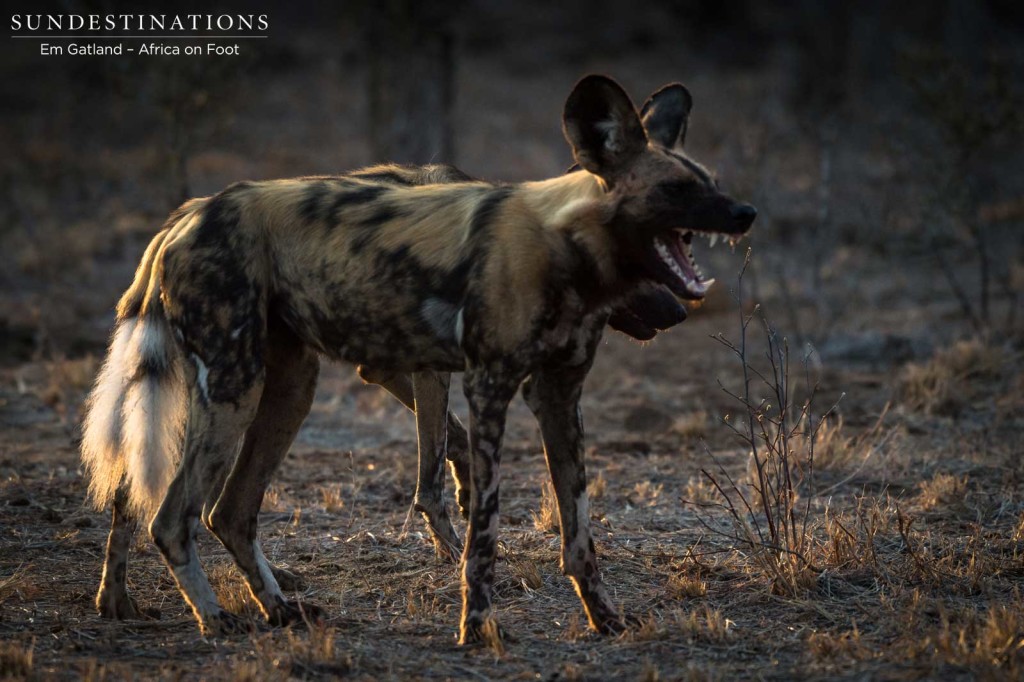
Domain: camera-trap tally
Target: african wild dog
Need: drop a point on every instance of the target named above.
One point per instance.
(649, 309)
(644, 312)
(503, 282)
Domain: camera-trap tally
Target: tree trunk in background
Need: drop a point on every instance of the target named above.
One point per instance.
(412, 80)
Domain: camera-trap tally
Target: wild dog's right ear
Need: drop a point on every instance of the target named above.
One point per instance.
(601, 124)
(666, 114)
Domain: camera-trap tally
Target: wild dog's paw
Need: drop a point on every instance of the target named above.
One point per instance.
(294, 612)
(287, 580)
(447, 544)
(448, 549)
(123, 607)
(611, 623)
(225, 623)
(483, 631)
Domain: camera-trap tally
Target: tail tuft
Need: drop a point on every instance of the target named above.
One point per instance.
(136, 421)
(101, 434)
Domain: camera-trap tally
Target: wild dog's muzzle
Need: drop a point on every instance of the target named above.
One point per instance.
(671, 260)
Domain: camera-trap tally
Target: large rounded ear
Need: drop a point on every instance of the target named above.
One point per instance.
(601, 124)
(666, 114)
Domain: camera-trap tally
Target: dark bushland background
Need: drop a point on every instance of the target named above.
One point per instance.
(876, 138)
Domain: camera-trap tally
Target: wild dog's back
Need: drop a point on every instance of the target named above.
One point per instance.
(363, 270)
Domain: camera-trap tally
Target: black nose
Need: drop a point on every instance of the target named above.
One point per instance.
(743, 215)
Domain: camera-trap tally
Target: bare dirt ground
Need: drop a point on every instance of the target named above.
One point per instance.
(910, 521)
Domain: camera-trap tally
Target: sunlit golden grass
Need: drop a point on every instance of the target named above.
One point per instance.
(546, 518)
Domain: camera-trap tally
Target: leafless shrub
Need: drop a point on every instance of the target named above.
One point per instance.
(767, 520)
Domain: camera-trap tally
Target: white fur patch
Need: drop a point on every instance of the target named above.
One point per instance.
(269, 581)
(202, 373)
(443, 317)
(101, 434)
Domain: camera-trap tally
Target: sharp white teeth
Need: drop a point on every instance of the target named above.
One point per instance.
(708, 283)
(666, 257)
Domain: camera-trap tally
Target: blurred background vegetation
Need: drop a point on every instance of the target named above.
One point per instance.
(881, 142)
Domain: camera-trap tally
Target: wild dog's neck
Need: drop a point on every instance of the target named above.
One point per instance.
(578, 207)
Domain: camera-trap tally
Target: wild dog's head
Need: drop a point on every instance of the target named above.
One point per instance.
(662, 198)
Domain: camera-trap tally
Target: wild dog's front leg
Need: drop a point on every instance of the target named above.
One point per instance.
(554, 400)
(431, 392)
(488, 393)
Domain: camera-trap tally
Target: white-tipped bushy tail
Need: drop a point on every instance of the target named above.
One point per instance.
(136, 416)
(101, 435)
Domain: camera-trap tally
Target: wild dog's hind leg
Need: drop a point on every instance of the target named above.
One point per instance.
(291, 374)
(219, 414)
(113, 600)
(554, 400)
(431, 391)
(457, 451)
(286, 579)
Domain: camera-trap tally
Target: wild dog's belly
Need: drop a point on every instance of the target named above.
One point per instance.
(374, 321)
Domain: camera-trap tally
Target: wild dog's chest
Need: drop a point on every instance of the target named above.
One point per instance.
(562, 332)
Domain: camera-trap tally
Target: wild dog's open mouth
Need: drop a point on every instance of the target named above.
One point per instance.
(676, 267)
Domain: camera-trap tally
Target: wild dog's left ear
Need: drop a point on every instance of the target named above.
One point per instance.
(601, 124)
(666, 114)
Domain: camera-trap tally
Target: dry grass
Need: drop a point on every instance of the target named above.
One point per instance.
(912, 575)
(65, 383)
(546, 518)
(16, 659)
(332, 498)
(704, 624)
(682, 586)
(837, 645)
(692, 426)
(700, 491)
(946, 384)
(941, 490)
